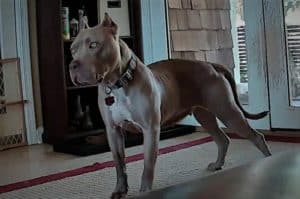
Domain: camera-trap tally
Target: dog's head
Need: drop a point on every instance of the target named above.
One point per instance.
(95, 52)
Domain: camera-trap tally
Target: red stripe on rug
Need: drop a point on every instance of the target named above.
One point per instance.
(274, 138)
(95, 167)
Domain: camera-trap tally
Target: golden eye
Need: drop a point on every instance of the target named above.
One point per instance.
(93, 45)
(73, 51)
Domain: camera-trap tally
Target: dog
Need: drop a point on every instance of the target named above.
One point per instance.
(138, 98)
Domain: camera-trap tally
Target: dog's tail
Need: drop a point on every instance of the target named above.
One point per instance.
(230, 79)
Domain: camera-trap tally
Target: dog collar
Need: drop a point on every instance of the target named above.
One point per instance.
(127, 75)
(123, 81)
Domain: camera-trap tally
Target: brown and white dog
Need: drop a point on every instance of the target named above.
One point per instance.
(139, 98)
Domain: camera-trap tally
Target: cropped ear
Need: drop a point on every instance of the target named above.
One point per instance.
(109, 23)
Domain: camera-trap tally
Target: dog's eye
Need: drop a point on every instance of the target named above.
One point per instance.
(73, 51)
(93, 45)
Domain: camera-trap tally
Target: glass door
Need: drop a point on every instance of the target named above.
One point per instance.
(283, 48)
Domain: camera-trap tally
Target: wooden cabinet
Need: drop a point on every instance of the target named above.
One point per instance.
(62, 116)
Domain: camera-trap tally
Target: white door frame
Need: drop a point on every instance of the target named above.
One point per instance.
(23, 53)
(23, 46)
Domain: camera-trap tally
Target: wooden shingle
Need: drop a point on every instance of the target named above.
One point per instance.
(173, 19)
(174, 3)
(218, 4)
(210, 19)
(208, 40)
(182, 21)
(200, 55)
(205, 39)
(223, 56)
(211, 4)
(194, 40)
(194, 20)
(225, 19)
(222, 4)
(198, 4)
(224, 39)
(186, 4)
(188, 55)
(175, 55)
(185, 40)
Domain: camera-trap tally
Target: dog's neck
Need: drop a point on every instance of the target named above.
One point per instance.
(122, 66)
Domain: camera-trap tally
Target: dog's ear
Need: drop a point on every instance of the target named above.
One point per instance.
(109, 23)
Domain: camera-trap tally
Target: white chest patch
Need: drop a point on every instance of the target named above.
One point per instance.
(120, 110)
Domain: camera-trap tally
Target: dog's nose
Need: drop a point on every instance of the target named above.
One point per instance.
(74, 64)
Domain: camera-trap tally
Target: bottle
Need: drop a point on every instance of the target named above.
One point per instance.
(74, 28)
(65, 23)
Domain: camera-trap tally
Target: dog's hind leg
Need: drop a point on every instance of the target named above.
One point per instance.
(259, 141)
(234, 119)
(222, 104)
(209, 122)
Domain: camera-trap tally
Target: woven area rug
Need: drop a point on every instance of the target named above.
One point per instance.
(176, 164)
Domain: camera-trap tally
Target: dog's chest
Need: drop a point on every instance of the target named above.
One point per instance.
(121, 109)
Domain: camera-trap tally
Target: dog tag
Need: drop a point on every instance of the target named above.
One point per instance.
(110, 100)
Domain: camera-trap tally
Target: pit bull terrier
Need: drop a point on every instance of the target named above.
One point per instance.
(138, 98)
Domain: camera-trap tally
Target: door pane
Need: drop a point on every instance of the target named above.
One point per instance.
(239, 49)
(282, 38)
(292, 33)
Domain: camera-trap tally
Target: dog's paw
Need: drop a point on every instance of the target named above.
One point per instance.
(214, 166)
(118, 195)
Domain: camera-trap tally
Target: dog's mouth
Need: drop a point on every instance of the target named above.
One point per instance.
(99, 78)
(76, 82)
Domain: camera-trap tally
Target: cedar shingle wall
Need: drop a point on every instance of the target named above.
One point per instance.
(201, 29)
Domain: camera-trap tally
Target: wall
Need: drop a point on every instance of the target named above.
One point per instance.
(201, 30)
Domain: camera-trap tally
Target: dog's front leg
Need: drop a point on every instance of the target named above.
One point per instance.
(151, 139)
(116, 142)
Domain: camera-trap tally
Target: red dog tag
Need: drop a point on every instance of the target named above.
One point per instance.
(110, 100)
